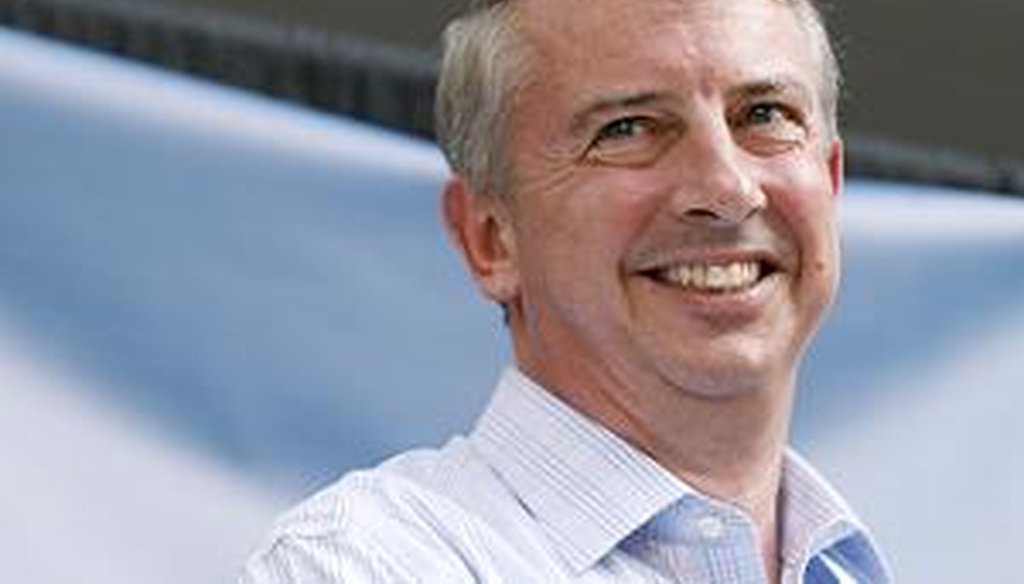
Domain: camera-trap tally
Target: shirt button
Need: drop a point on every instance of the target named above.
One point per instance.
(711, 527)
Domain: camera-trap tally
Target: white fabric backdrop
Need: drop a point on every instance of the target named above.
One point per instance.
(211, 303)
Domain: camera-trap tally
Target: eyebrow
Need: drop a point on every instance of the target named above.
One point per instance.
(613, 103)
(772, 86)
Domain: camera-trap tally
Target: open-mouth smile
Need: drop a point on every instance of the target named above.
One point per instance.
(714, 277)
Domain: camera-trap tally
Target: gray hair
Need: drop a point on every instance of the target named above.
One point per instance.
(483, 66)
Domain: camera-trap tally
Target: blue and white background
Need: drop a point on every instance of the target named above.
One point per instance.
(212, 304)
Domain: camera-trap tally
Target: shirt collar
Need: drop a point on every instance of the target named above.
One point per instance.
(816, 520)
(813, 515)
(589, 489)
(585, 486)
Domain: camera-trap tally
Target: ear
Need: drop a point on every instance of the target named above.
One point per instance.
(836, 166)
(481, 229)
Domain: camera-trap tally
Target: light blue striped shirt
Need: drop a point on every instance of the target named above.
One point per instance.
(539, 493)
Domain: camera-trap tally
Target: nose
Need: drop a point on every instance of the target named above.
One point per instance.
(715, 182)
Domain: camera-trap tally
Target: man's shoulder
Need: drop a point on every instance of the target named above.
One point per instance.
(440, 512)
(403, 487)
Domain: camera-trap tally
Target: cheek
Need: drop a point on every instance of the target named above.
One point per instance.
(577, 237)
(601, 209)
(803, 199)
(803, 196)
(626, 201)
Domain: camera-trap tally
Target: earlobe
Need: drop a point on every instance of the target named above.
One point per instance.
(480, 229)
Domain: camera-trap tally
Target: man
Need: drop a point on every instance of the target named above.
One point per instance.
(648, 188)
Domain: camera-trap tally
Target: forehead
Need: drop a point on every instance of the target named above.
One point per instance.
(588, 44)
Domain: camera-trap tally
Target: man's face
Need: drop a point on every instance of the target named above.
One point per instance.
(671, 216)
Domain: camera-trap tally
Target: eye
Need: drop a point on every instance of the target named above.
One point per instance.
(624, 128)
(770, 126)
(765, 114)
(630, 141)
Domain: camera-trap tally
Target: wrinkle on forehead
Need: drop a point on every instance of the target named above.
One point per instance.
(579, 27)
(642, 40)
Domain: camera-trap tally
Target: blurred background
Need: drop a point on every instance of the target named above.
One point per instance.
(942, 74)
(223, 282)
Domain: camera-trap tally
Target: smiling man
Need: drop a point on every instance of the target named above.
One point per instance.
(648, 188)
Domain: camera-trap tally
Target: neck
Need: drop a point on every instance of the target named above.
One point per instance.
(733, 452)
(729, 449)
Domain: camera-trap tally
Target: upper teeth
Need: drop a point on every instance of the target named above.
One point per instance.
(714, 277)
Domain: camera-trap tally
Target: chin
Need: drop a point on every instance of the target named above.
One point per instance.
(725, 375)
